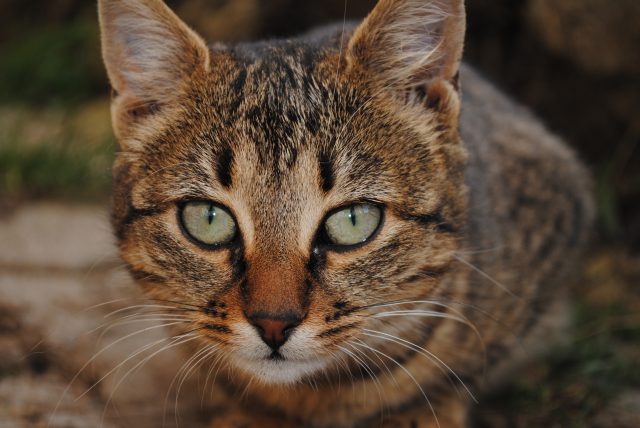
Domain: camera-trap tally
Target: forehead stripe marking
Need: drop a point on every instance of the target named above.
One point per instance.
(327, 179)
(224, 168)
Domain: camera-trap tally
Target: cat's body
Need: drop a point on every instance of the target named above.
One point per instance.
(481, 215)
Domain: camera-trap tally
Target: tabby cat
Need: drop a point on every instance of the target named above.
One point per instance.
(354, 226)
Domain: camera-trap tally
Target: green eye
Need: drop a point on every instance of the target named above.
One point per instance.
(353, 225)
(208, 223)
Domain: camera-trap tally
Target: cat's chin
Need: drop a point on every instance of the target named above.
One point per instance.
(280, 371)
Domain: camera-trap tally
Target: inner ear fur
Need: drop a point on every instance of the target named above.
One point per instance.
(412, 47)
(149, 54)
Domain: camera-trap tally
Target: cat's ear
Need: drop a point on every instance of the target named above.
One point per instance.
(408, 44)
(148, 51)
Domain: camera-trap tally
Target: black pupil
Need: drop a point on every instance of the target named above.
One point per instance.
(352, 215)
(211, 213)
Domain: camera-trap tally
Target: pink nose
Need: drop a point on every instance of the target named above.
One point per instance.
(274, 330)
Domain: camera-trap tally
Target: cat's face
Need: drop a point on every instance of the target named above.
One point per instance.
(277, 195)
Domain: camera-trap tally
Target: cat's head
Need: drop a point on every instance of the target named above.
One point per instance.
(279, 194)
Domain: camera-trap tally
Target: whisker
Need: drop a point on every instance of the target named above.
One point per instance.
(189, 305)
(376, 381)
(93, 358)
(108, 302)
(214, 366)
(107, 327)
(408, 373)
(418, 312)
(486, 276)
(136, 316)
(177, 341)
(429, 355)
(208, 351)
(364, 366)
(427, 313)
(136, 353)
(447, 304)
(383, 364)
(129, 308)
(340, 359)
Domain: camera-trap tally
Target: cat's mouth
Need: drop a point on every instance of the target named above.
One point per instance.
(290, 363)
(280, 370)
(276, 356)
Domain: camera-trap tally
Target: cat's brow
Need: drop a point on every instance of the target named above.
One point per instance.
(327, 177)
(224, 167)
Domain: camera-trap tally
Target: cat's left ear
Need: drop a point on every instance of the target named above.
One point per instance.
(150, 55)
(411, 45)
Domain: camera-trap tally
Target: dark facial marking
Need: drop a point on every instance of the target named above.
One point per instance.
(435, 219)
(317, 261)
(215, 310)
(342, 310)
(244, 289)
(327, 178)
(225, 167)
(238, 262)
(142, 110)
(133, 215)
(141, 275)
(337, 330)
(217, 327)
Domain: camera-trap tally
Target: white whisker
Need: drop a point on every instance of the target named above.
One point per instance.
(429, 355)
(486, 276)
(176, 341)
(408, 373)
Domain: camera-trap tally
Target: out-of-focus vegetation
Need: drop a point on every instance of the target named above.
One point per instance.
(592, 379)
(55, 138)
(55, 65)
(55, 152)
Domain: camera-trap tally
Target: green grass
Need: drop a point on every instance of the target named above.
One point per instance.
(53, 65)
(56, 170)
(48, 76)
(56, 153)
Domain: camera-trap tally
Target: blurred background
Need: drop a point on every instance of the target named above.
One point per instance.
(576, 63)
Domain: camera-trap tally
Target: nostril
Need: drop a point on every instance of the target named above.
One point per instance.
(274, 330)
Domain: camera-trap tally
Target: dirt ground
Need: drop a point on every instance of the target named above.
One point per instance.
(62, 327)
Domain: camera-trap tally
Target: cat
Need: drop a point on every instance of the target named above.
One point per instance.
(356, 228)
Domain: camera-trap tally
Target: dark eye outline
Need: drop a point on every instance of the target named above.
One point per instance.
(235, 241)
(323, 240)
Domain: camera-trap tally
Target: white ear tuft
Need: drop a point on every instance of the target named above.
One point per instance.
(148, 51)
(411, 42)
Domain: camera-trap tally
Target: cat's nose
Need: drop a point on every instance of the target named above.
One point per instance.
(274, 330)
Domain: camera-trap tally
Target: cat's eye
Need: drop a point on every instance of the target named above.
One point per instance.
(352, 225)
(207, 223)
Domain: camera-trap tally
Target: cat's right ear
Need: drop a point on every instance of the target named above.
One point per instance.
(149, 53)
(411, 45)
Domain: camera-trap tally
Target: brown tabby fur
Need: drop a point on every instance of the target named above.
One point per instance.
(484, 211)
